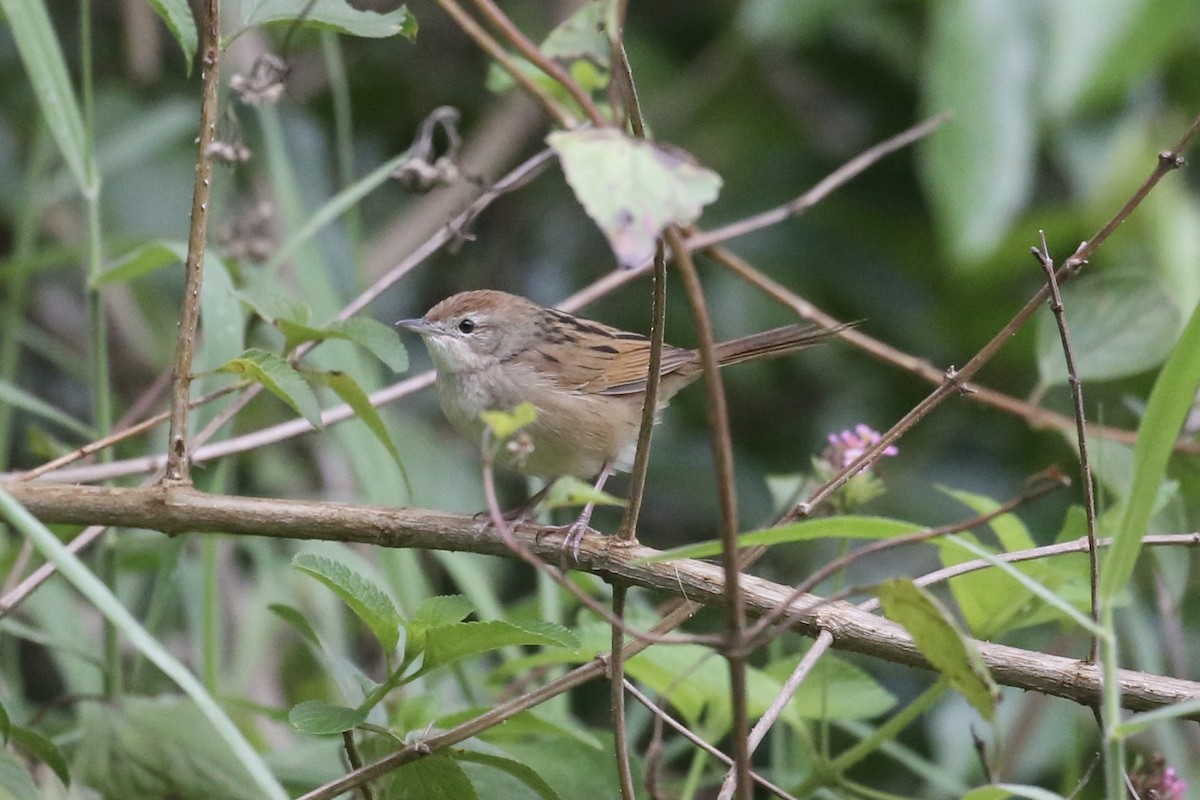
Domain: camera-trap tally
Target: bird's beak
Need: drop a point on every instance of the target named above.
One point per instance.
(417, 325)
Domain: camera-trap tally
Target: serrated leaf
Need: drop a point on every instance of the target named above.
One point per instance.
(633, 188)
(939, 639)
(15, 781)
(279, 378)
(377, 339)
(142, 261)
(505, 423)
(978, 170)
(177, 15)
(369, 602)
(447, 643)
(847, 526)
(445, 609)
(297, 333)
(262, 292)
(43, 749)
(1120, 325)
(335, 15)
(353, 395)
(143, 748)
(570, 492)
(318, 718)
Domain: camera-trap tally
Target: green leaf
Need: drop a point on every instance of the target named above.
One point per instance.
(445, 609)
(447, 643)
(298, 622)
(377, 339)
(842, 527)
(177, 15)
(582, 35)
(571, 767)
(5, 724)
(1120, 325)
(505, 423)
(43, 749)
(297, 333)
(17, 397)
(1168, 407)
(279, 378)
(222, 317)
(353, 395)
(633, 188)
(978, 170)
(1137, 723)
(938, 638)
(254, 775)
(335, 15)
(15, 782)
(570, 492)
(318, 718)
(518, 770)
(42, 56)
(988, 599)
(435, 777)
(142, 748)
(142, 261)
(369, 602)
(834, 689)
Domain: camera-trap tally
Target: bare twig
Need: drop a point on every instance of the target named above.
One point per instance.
(189, 316)
(722, 445)
(490, 46)
(955, 380)
(1036, 487)
(535, 56)
(180, 509)
(1042, 254)
(683, 730)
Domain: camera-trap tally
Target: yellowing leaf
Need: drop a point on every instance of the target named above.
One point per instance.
(633, 188)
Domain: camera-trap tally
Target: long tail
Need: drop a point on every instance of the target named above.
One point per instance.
(776, 342)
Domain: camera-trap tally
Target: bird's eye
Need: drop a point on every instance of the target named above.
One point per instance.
(467, 325)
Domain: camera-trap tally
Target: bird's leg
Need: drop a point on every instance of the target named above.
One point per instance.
(579, 527)
(518, 514)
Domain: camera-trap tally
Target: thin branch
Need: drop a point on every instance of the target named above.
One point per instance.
(616, 683)
(955, 380)
(180, 509)
(189, 315)
(722, 445)
(1042, 255)
(1036, 487)
(792, 685)
(490, 46)
(535, 56)
(684, 731)
(120, 435)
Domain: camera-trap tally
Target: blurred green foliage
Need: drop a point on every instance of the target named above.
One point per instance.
(1060, 109)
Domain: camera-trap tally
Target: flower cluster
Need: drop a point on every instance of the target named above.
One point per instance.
(845, 447)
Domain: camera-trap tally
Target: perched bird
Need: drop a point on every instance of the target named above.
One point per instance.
(587, 380)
